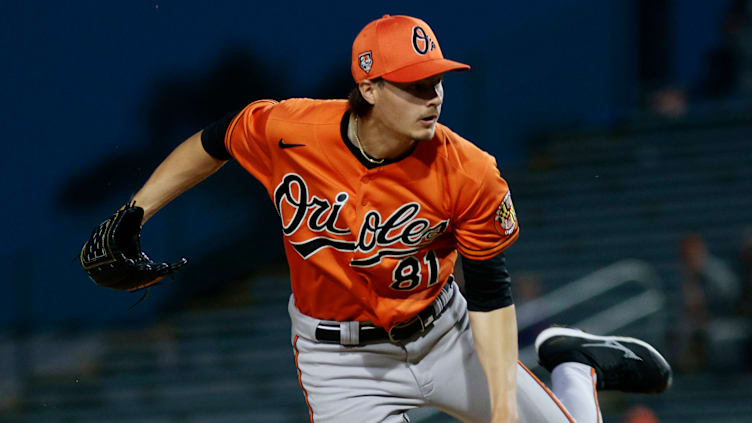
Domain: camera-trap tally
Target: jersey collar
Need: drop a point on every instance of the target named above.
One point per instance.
(355, 152)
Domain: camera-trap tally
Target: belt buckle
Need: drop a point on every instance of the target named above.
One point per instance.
(405, 324)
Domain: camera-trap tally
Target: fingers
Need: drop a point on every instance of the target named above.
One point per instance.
(178, 264)
(161, 268)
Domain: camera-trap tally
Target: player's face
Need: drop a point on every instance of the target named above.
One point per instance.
(410, 109)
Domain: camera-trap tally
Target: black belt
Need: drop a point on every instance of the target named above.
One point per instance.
(329, 332)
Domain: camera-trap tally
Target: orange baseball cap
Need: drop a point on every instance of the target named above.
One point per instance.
(399, 49)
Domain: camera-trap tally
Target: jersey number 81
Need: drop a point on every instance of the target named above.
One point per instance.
(407, 274)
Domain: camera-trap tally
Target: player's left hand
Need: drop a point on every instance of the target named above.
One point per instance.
(112, 255)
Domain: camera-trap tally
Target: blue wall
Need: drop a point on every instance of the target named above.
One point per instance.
(79, 81)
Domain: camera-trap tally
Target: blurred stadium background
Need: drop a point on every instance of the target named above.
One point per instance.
(623, 128)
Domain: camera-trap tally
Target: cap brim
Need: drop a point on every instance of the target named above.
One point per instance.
(423, 70)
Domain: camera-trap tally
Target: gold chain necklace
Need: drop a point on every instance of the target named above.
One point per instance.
(357, 141)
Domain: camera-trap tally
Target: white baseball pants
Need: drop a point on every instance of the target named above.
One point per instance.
(381, 382)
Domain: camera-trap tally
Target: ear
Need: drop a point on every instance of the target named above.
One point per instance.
(368, 89)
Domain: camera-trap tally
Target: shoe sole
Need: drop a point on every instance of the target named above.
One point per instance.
(551, 332)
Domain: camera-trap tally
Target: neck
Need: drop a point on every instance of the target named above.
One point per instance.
(377, 140)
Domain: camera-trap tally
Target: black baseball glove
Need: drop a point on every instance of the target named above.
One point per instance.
(113, 258)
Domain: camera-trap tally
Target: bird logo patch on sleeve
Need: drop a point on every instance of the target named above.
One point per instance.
(505, 220)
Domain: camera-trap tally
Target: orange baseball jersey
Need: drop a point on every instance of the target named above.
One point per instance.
(370, 244)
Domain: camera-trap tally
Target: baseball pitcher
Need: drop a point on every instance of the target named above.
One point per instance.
(376, 200)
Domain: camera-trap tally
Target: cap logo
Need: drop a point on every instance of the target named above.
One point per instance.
(366, 61)
(422, 43)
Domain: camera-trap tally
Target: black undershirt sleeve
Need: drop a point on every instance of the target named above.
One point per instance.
(488, 285)
(213, 137)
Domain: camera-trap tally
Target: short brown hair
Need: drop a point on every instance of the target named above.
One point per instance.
(358, 105)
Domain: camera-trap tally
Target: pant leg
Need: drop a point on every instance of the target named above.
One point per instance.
(535, 402)
(364, 384)
(380, 382)
(575, 386)
(355, 384)
(459, 385)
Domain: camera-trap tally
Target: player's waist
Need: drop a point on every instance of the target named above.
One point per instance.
(360, 333)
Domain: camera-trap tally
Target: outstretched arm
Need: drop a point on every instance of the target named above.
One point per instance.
(185, 167)
(112, 256)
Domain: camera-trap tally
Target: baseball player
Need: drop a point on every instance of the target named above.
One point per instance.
(376, 200)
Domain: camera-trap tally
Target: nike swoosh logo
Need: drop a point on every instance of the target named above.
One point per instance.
(616, 346)
(283, 144)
